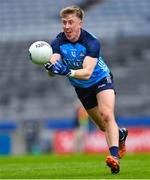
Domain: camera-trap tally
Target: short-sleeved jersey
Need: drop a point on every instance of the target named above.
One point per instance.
(73, 55)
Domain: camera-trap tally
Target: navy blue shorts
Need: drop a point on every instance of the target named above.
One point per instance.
(88, 95)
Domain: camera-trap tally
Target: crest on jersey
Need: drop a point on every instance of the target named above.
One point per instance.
(82, 54)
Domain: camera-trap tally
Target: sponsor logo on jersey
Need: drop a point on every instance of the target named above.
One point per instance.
(73, 53)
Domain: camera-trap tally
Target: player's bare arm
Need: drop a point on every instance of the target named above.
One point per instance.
(85, 73)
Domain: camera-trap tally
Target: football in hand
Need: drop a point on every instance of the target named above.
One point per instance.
(40, 52)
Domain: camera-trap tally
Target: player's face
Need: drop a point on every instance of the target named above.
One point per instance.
(72, 27)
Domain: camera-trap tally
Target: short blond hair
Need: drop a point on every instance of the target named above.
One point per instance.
(72, 10)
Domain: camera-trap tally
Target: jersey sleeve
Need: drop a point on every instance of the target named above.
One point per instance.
(93, 48)
(55, 44)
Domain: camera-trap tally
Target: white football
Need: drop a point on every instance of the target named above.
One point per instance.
(40, 52)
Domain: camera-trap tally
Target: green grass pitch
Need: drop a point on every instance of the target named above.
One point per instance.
(133, 166)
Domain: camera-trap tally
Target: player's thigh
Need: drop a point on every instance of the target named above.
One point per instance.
(106, 101)
(95, 115)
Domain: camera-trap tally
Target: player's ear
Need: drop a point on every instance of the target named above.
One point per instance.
(81, 23)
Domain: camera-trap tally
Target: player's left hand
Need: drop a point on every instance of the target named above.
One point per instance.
(61, 69)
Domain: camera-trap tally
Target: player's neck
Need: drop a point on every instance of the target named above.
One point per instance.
(77, 37)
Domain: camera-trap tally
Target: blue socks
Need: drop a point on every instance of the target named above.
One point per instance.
(114, 151)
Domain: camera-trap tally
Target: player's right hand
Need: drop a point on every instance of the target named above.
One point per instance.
(49, 68)
(61, 69)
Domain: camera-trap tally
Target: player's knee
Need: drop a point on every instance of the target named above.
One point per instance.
(98, 121)
(102, 128)
(106, 115)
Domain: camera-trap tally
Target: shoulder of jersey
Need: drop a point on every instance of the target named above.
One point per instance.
(59, 39)
(60, 35)
(89, 35)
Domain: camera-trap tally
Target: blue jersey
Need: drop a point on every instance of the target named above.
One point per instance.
(73, 55)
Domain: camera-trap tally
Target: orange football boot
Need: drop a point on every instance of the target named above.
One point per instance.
(113, 163)
(122, 145)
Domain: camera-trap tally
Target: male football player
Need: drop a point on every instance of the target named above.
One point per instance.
(76, 54)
